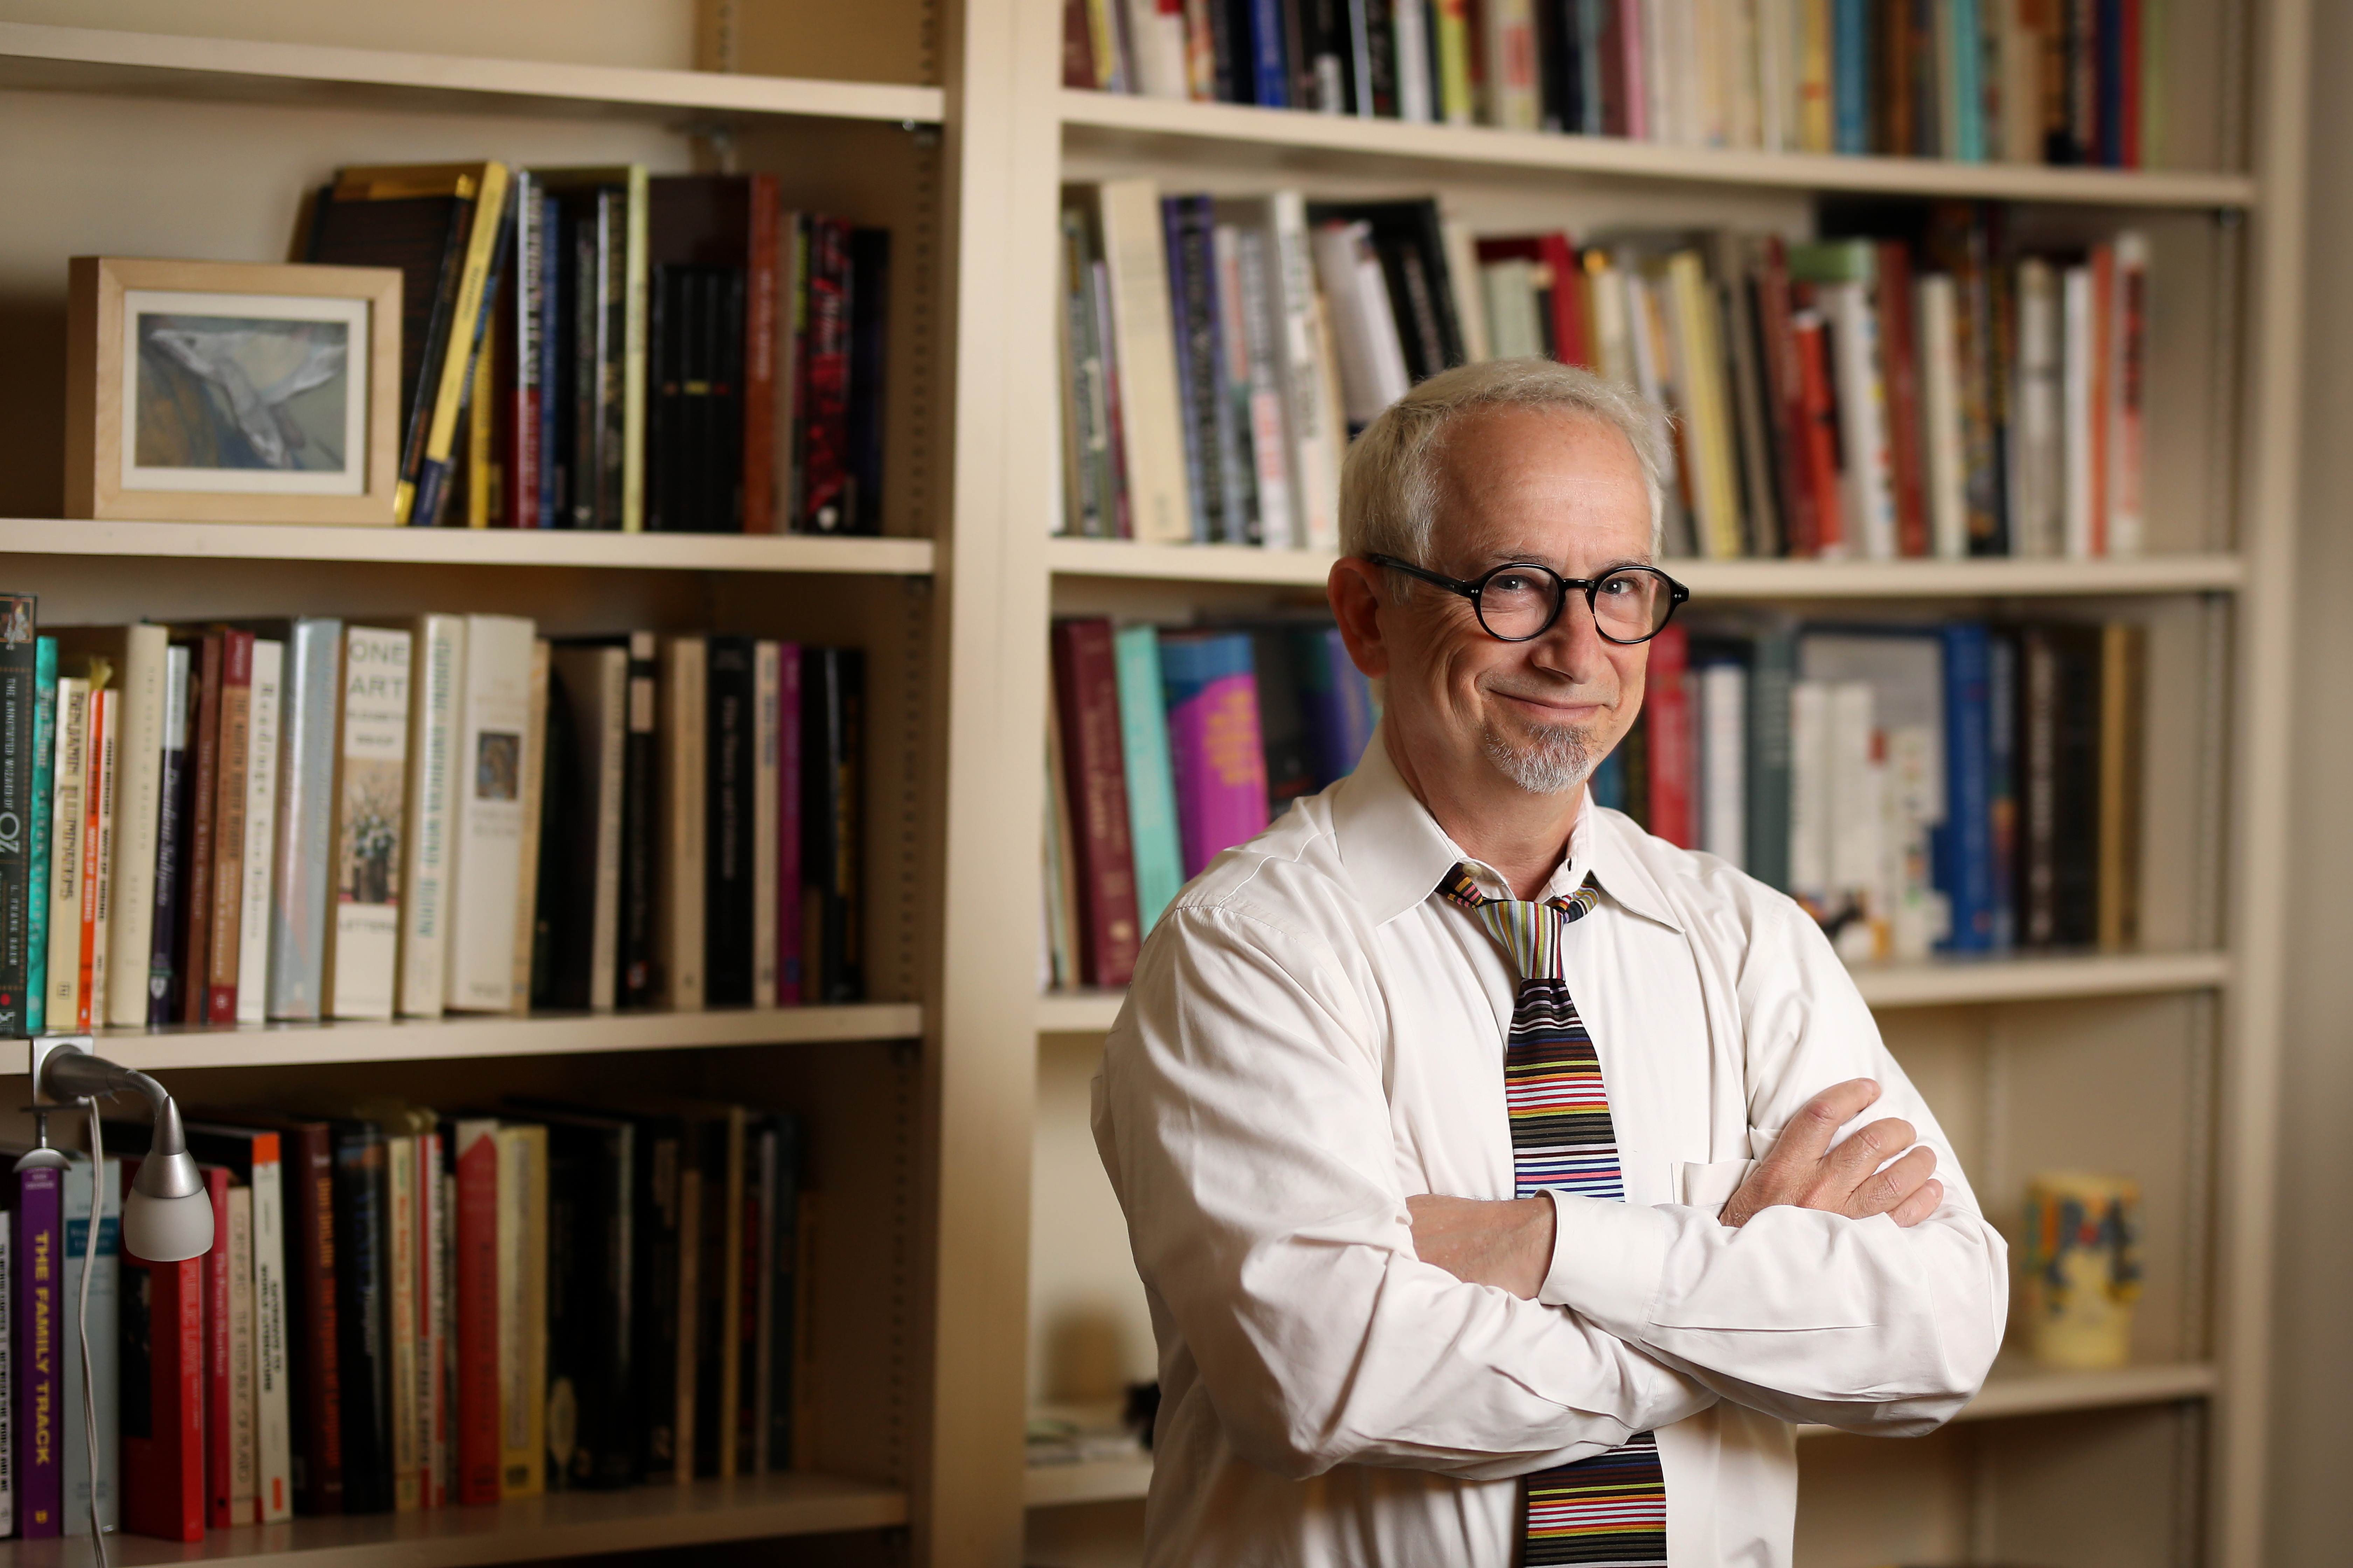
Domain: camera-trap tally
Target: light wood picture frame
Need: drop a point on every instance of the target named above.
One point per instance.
(231, 392)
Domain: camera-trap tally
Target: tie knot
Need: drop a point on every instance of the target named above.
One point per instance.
(1527, 929)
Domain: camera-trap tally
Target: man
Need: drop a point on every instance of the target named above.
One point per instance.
(1437, 1109)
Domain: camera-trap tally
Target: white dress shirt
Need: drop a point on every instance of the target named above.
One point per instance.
(1312, 1036)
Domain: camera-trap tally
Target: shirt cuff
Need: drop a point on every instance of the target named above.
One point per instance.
(1608, 1258)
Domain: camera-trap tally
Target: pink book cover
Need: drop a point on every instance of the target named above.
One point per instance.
(1214, 746)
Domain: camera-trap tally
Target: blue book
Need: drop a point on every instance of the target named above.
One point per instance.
(37, 876)
(1192, 293)
(1850, 76)
(1963, 48)
(1151, 831)
(1336, 701)
(1964, 844)
(2001, 784)
(1270, 69)
(1607, 783)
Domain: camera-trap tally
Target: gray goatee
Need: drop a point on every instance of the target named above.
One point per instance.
(1544, 760)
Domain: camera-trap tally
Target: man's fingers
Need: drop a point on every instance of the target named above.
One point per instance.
(1891, 1188)
(1809, 1135)
(1849, 1164)
(1919, 1206)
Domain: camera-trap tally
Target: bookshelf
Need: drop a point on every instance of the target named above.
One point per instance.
(951, 1107)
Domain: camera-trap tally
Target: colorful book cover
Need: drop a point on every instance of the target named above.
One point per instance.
(37, 913)
(1153, 833)
(1216, 758)
(371, 765)
(1336, 701)
(35, 1234)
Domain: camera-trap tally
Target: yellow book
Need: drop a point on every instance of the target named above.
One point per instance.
(1456, 104)
(1706, 409)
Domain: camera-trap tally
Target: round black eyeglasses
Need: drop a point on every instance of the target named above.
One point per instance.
(1520, 601)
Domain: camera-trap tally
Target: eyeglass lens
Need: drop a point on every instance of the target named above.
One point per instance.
(1627, 606)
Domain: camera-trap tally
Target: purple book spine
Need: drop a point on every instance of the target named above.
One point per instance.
(37, 1236)
(1220, 767)
(788, 825)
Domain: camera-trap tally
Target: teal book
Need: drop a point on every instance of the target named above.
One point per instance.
(1151, 786)
(1968, 84)
(1771, 672)
(44, 766)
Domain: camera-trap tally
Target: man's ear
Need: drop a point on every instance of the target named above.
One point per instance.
(1354, 589)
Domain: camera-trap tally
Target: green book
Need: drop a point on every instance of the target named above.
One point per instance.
(44, 766)
(1151, 783)
(1772, 669)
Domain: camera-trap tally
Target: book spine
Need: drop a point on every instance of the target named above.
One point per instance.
(728, 778)
(1152, 838)
(1192, 298)
(834, 721)
(242, 1396)
(1151, 431)
(1892, 305)
(36, 836)
(9, 1372)
(758, 513)
(486, 867)
(36, 1269)
(67, 820)
(791, 824)
(679, 904)
(1667, 725)
(523, 1310)
(96, 869)
(467, 324)
(640, 770)
(2038, 788)
(137, 760)
(264, 726)
(1966, 840)
(437, 680)
(361, 1313)
(306, 764)
(766, 701)
(525, 390)
(432, 1395)
(402, 1287)
(1772, 672)
(749, 1274)
(1220, 778)
(104, 1344)
(529, 869)
(371, 757)
(1086, 689)
(176, 780)
(225, 906)
(162, 1382)
(1720, 786)
(2126, 445)
(477, 1252)
(784, 1264)
(317, 1436)
(823, 406)
(1310, 414)
(2002, 785)
(273, 1421)
(219, 1431)
(2122, 664)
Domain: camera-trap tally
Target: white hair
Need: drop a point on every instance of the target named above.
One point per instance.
(1389, 486)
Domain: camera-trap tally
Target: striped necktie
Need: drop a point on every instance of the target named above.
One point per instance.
(1611, 1511)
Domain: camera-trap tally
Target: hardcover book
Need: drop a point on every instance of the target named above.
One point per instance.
(264, 728)
(17, 655)
(140, 656)
(363, 938)
(1215, 759)
(1086, 693)
(35, 1234)
(37, 834)
(303, 887)
(436, 681)
(485, 870)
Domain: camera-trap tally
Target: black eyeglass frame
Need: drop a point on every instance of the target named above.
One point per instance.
(1475, 588)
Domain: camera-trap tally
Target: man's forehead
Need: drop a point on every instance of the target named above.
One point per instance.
(1544, 485)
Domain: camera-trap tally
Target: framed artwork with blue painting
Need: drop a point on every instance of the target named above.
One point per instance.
(232, 392)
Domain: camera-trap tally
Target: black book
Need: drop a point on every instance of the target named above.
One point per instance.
(1283, 724)
(633, 969)
(1379, 74)
(1229, 51)
(780, 1191)
(592, 1338)
(362, 1314)
(1410, 240)
(729, 777)
(833, 719)
(2058, 784)
(656, 1290)
(565, 899)
(869, 316)
(175, 799)
(574, 391)
(17, 761)
(666, 473)
(1191, 224)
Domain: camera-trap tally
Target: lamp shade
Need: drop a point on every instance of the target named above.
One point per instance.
(167, 1216)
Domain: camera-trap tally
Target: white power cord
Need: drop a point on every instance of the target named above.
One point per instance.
(81, 1324)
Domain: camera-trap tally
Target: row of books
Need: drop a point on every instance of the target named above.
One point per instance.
(2026, 82)
(592, 348)
(1913, 392)
(1965, 787)
(405, 1310)
(1165, 747)
(317, 818)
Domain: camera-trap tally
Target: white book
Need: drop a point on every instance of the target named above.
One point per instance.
(2037, 456)
(1810, 790)
(1940, 415)
(486, 840)
(274, 1454)
(1778, 55)
(437, 674)
(1857, 814)
(1723, 762)
(1156, 45)
(1461, 280)
(1234, 457)
(1261, 347)
(1136, 265)
(1372, 362)
(1868, 501)
(1413, 52)
(1310, 413)
(1514, 330)
(260, 830)
(597, 685)
(302, 899)
(105, 1298)
(244, 1445)
(371, 774)
(2077, 337)
(2128, 383)
(140, 655)
(67, 816)
(767, 697)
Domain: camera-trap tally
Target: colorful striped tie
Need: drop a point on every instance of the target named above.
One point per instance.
(1611, 1511)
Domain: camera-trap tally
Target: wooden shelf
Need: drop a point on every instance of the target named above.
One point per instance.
(2016, 1388)
(1943, 982)
(469, 546)
(1117, 122)
(102, 60)
(484, 1035)
(561, 1524)
(1993, 577)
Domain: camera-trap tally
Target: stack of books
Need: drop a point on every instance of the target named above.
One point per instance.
(592, 348)
(1966, 787)
(315, 818)
(2022, 81)
(1166, 746)
(1920, 392)
(404, 1309)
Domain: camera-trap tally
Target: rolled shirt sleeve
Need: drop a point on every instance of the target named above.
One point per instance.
(1243, 1119)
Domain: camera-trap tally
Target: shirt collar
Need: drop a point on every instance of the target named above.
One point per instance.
(1396, 853)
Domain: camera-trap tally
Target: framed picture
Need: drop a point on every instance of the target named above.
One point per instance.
(232, 392)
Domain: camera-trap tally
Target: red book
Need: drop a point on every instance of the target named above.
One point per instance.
(2128, 49)
(219, 1429)
(821, 406)
(1820, 427)
(1786, 384)
(475, 1145)
(1086, 694)
(196, 892)
(1667, 719)
(161, 1374)
(1899, 352)
(1077, 46)
(1563, 299)
(227, 906)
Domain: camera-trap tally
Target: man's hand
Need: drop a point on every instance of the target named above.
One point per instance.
(1507, 1244)
(1805, 1172)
